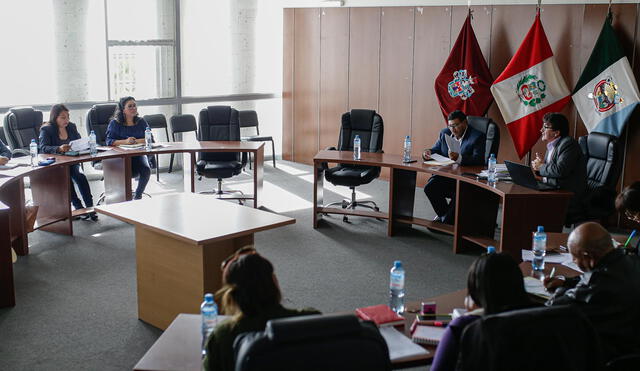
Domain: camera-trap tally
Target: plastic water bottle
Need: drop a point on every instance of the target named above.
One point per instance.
(539, 249)
(93, 145)
(209, 312)
(491, 249)
(356, 148)
(491, 170)
(148, 139)
(396, 288)
(406, 149)
(33, 151)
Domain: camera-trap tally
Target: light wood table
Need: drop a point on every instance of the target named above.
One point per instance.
(181, 240)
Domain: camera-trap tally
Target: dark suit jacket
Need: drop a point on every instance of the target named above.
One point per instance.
(567, 169)
(49, 140)
(4, 150)
(472, 148)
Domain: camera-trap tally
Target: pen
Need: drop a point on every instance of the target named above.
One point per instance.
(633, 233)
(553, 271)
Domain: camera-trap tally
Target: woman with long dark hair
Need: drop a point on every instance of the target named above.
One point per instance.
(55, 136)
(628, 202)
(127, 127)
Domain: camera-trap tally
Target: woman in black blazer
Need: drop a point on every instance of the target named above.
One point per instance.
(55, 136)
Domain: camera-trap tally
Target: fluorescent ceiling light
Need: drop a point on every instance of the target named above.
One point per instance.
(332, 3)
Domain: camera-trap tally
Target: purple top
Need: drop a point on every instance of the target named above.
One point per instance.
(446, 355)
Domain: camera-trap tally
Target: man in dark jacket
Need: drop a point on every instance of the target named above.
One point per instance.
(5, 153)
(608, 291)
(472, 144)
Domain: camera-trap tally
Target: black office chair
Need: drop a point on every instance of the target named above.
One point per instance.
(220, 123)
(21, 125)
(369, 125)
(249, 119)
(603, 170)
(98, 118)
(546, 338)
(157, 121)
(181, 124)
(316, 342)
(487, 126)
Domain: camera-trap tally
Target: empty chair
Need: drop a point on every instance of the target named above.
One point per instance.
(181, 124)
(369, 126)
(21, 125)
(157, 121)
(219, 123)
(249, 119)
(315, 342)
(488, 127)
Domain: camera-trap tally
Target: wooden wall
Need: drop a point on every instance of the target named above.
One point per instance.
(387, 59)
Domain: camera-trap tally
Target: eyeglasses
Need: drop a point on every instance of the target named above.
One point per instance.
(546, 127)
(453, 126)
(635, 216)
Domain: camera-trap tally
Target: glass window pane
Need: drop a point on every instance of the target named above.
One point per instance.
(142, 71)
(141, 19)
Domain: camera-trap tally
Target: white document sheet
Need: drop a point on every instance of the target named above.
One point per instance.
(79, 144)
(400, 346)
(527, 255)
(535, 287)
(452, 143)
(437, 159)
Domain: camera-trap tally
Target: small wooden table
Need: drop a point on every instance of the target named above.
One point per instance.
(181, 240)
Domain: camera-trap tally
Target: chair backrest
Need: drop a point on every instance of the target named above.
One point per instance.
(156, 121)
(21, 125)
(219, 123)
(248, 119)
(98, 118)
(602, 153)
(316, 342)
(489, 128)
(365, 123)
(529, 339)
(183, 124)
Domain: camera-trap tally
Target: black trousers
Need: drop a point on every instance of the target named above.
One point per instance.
(80, 180)
(438, 189)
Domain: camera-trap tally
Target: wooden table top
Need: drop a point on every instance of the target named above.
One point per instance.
(194, 218)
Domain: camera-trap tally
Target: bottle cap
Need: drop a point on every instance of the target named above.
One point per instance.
(493, 155)
(397, 264)
(540, 228)
(491, 249)
(208, 298)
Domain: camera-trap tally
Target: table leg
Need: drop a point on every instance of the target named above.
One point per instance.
(51, 193)
(402, 187)
(173, 275)
(318, 190)
(476, 213)
(188, 172)
(7, 290)
(258, 174)
(117, 179)
(12, 195)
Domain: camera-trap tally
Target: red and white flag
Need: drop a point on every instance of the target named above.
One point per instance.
(530, 86)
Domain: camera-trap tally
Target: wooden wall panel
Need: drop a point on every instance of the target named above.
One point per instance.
(306, 82)
(334, 72)
(396, 66)
(287, 84)
(364, 58)
(431, 50)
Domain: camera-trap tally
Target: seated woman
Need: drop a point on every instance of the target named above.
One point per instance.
(127, 127)
(55, 136)
(251, 296)
(628, 202)
(494, 285)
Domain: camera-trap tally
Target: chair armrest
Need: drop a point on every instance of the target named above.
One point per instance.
(331, 148)
(20, 151)
(325, 165)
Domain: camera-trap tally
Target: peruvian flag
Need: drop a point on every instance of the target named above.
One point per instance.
(530, 86)
(465, 80)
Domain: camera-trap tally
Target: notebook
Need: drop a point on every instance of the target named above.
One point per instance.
(400, 347)
(428, 335)
(381, 315)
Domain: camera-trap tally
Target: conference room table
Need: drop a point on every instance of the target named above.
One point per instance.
(477, 203)
(50, 192)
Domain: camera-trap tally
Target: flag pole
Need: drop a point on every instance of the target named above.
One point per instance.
(609, 8)
(538, 7)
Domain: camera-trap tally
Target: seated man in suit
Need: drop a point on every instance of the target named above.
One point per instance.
(608, 291)
(564, 165)
(5, 153)
(472, 144)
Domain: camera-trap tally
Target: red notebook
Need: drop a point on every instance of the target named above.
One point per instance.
(381, 315)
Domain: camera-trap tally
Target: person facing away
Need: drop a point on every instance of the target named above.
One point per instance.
(55, 136)
(494, 285)
(126, 127)
(564, 165)
(628, 202)
(608, 291)
(5, 153)
(251, 296)
(472, 147)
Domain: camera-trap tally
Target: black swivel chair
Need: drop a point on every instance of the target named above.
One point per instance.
(603, 170)
(369, 126)
(157, 121)
(487, 126)
(546, 338)
(249, 119)
(98, 118)
(220, 123)
(20, 126)
(181, 124)
(315, 342)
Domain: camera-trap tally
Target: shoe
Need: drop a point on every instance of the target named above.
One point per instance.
(137, 197)
(94, 216)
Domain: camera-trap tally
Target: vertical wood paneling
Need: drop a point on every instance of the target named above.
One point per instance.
(306, 86)
(334, 72)
(364, 57)
(287, 84)
(396, 65)
(431, 50)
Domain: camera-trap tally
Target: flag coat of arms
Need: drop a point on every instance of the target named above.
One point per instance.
(530, 86)
(606, 93)
(464, 81)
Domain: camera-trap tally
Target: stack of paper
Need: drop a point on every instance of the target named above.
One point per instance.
(501, 171)
(401, 347)
(535, 287)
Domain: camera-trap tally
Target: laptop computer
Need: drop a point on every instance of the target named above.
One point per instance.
(523, 175)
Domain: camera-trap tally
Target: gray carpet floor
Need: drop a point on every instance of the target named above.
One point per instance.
(76, 296)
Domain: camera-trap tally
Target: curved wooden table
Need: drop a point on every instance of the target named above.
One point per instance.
(523, 209)
(50, 191)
